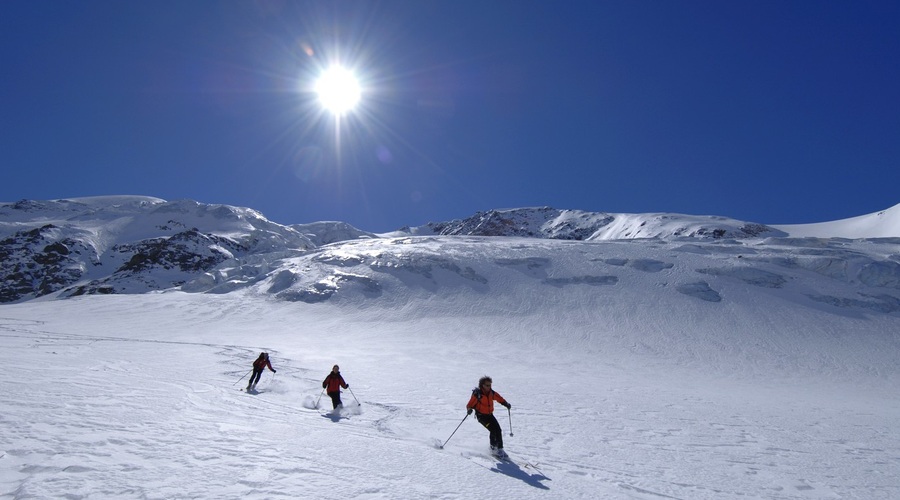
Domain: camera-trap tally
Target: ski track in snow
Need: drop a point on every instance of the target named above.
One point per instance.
(141, 399)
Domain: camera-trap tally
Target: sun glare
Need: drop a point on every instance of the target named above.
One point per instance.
(338, 90)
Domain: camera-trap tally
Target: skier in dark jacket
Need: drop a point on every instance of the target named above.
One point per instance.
(261, 363)
(332, 385)
(482, 401)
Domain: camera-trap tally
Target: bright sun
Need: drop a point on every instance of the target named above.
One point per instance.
(338, 90)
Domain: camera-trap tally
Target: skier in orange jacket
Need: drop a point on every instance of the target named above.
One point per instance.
(482, 402)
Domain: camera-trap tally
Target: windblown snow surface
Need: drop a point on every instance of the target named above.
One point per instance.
(636, 369)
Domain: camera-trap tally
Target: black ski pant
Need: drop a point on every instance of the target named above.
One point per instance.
(254, 378)
(335, 399)
(490, 423)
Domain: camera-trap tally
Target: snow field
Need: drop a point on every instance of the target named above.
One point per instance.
(138, 397)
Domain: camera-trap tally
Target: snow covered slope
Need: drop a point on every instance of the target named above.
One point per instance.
(883, 224)
(632, 389)
(694, 367)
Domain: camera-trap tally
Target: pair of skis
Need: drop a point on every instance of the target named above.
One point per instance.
(524, 463)
(520, 463)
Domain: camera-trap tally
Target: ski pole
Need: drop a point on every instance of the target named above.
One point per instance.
(242, 378)
(354, 395)
(320, 397)
(510, 422)
(454, 430)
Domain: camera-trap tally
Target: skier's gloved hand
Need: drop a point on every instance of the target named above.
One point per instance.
(507, 405)
(469, 411)
(274, 371)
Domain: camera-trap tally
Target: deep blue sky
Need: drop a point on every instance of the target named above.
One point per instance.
(772, 112)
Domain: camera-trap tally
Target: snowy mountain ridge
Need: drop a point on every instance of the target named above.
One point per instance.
(547, 222)
(136, 244)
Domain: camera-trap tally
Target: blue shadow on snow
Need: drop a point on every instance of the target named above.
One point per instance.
(513, 470)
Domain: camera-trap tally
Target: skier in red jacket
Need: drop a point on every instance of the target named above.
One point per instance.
(482, 401)
(261, 363)
(332, 385)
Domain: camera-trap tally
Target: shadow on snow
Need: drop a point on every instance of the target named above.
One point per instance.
(513, 470)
